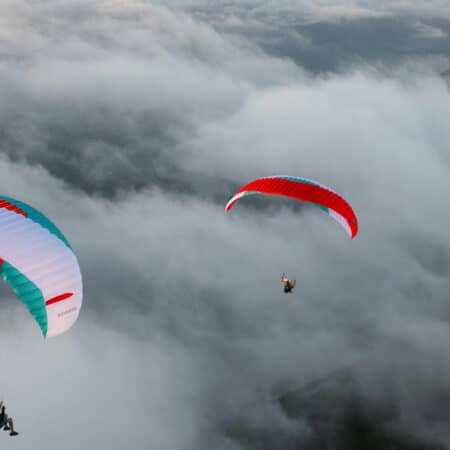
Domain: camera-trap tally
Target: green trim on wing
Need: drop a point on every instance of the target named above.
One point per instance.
(299, 180)
(38, 217)
(28, 293)
(251, 193)
(323, 208)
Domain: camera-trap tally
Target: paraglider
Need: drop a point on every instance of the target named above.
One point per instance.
(39, 265)
(304, 190)
(287, 284)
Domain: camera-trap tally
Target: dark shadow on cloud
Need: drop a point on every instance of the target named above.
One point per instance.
(335, 46)
(432, 256)
(99, 151)
(336, 412)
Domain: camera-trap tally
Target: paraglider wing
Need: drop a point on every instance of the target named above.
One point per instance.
(38, 263)
(305, 190)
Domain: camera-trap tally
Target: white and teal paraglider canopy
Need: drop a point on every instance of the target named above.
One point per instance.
(38, 263)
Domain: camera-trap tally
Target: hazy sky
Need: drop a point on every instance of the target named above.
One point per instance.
(130, 123)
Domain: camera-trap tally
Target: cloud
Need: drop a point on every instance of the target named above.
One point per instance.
(324, 10)
(107, 112)
(131, 133)
(429, 31)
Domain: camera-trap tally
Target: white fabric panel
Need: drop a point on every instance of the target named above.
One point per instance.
(235, 198)
(340, 219)
(47, 262)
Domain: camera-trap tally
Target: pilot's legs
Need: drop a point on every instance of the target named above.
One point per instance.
(5, 423)
(13, 432)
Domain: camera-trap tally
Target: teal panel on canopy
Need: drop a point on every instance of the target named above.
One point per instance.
(28, 293)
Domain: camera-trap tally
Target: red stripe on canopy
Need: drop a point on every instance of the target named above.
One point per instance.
(59, 298)
(11, 207)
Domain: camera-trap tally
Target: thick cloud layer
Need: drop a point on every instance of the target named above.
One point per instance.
(324, 10)
(130, 124)
(328, 35)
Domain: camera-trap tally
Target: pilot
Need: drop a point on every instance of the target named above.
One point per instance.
(287, 284)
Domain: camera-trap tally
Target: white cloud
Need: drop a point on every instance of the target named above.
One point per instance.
(429, 31)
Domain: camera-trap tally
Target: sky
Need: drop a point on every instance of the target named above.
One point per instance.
(131, 123)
